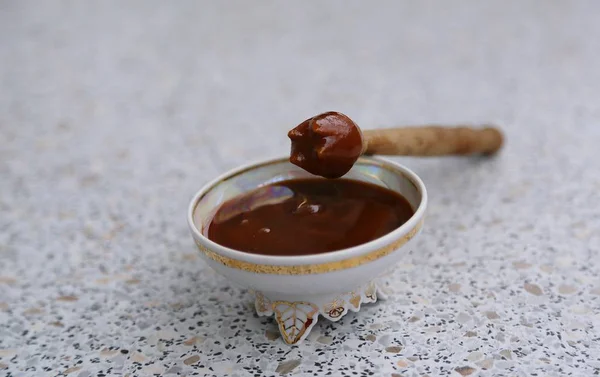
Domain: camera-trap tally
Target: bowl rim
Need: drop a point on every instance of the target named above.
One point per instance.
(332, 256)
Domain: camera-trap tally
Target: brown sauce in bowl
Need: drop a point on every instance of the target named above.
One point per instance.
(308, 216)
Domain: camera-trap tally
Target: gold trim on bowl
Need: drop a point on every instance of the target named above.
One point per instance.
(307, 269)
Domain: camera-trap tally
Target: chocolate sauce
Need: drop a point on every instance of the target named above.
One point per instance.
(308, 216)
(327, 144)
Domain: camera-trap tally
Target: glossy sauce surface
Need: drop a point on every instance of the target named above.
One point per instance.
(308, 216)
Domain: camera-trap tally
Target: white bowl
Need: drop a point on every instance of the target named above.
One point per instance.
(297, 289)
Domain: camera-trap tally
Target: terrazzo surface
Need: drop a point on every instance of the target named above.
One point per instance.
(112, 114)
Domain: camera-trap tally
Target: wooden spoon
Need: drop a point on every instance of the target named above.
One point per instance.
(328, 144)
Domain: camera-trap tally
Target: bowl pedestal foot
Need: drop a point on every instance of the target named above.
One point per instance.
(296, 318)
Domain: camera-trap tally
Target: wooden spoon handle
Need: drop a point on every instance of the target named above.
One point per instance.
(432, 141)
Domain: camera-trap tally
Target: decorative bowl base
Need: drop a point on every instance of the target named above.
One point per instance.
(297, 318)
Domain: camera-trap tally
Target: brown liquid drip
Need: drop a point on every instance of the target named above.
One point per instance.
(326, 145)
(308, 216)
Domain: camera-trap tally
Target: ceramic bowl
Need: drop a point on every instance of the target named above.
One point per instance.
(299, 289)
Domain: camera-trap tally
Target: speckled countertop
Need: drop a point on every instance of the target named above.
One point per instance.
(112, 114)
